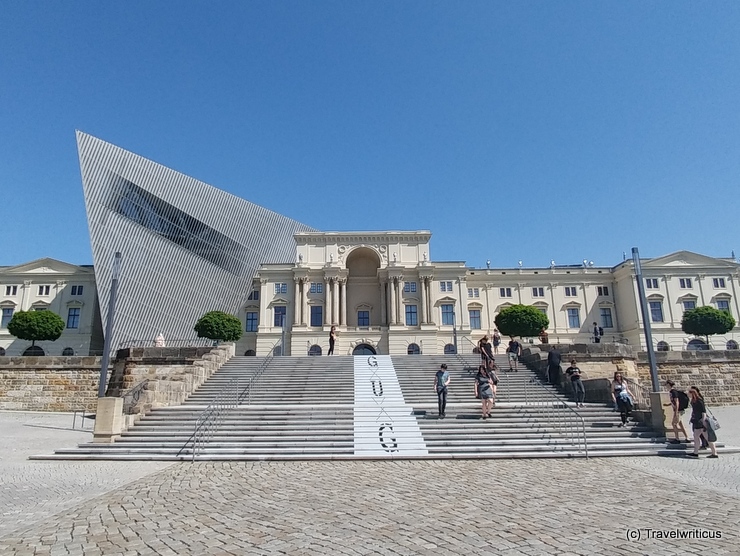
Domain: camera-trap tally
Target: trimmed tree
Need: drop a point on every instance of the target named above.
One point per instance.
(219, 326)
(521, 320)
(706, 321)
(36, 326)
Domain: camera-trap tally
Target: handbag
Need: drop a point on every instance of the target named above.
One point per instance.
(712, 420)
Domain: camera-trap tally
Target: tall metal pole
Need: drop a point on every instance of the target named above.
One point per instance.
(282, 336)
(454, 331)
(646, 320)
(109, 324)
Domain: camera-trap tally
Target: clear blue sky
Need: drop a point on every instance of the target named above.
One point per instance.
(511, 130)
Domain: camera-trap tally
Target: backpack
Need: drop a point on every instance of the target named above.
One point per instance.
(683, 400)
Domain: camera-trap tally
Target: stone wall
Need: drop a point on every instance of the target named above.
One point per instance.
(173, 373)
(49, 383)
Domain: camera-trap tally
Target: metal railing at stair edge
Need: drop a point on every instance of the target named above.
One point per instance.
(472, 369)
(640, 393)
(229, 397)
(555, 409)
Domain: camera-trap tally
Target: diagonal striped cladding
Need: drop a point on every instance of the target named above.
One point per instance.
(187, 247)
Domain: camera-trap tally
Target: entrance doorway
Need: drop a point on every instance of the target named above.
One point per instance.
(364, 349)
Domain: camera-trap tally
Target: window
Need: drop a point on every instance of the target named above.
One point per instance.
(7, 315)
(68, 352)
(316, 287)
(448, 314)
(252, 321)
(689, 304)
(504, 292)
(606, 318)
(718, 282)
(314, 350)
(574, 318)
(731, 344)
(723, 305)
(475, 319)
(279, 315)
(76, 290)
(538, 292)
(663, 346)
(73, 317)
(473, 292)
(656, 311)
(411, 316)
(450, 349)
(651, 283)
(685, 283)
(413, 349)
(603, 290)
(43, 290)
(445, 286)
(11, 290)
(363, 318)
(409, 287)
(571, 291)
(254, 295)
(316, 315)
(281, 288)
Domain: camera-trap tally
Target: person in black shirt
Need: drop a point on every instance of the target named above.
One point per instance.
(515, 351)
(699, 423)
(553, 366)
(579, 391)
(441, 382)
(485, 351)
(676, 421)
(332, 339)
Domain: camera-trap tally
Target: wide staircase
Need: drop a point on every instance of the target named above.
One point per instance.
(306, 408)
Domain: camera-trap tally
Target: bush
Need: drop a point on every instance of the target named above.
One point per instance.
(521, 320)
(219, 326)
(36, 326)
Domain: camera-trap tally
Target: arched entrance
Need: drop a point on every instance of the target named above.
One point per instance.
(34, 351)
(364, 349)
(363, 292)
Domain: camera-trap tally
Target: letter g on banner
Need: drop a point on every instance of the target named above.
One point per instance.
(372, 361)
(391, 446)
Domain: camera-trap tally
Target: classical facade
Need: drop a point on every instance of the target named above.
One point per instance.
(51, 285)
(384, 294)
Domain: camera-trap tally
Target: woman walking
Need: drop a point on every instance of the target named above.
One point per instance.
(332, 339)
(699, 424)
(486, 353)
(622, 397)
(496, 340)
(484, 391)
(441, 382)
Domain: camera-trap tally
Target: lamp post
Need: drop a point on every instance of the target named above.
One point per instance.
(645, 320)
(109, 324)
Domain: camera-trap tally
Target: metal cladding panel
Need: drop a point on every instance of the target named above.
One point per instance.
(187, 247)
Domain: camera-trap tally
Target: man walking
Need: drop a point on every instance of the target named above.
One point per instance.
(598, 333)
(679, 402)
(515, 351)
(441, 381)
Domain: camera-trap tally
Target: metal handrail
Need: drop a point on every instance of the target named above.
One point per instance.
(554, 408)
(228, 397)
(132, 395)
(465, 361)
(640, 393)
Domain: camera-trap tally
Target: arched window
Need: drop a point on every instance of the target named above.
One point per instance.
(66, 352)
(731, 344)
(697, 344)
(277, 350)
(314, 350)
(450, 349)
(35, 351)
(250, 353)
(2, 351)
(413, 349)
(663, 346)
(364, 349)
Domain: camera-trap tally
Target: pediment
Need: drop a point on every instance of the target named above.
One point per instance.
(47, 266)
(279, 301)
(686, 259)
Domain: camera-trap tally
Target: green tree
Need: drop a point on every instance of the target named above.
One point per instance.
(36, 326)
(706, 321)
(521, 320)
(220, 326)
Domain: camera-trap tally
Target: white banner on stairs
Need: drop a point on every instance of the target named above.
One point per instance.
(384, 424)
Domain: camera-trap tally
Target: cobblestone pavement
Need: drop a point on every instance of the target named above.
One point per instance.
(510, 507)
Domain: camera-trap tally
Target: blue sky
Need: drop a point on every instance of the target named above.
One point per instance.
(511, 130)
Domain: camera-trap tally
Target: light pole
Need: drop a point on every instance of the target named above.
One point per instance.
(109, 324)
(645, 320)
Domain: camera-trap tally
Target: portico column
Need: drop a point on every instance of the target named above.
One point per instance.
(297, 302)
(263, 304)
(327, 301)
(305, 302)
(383, 304)
(393, 300)
(429, 300)
(343, 310)
(335, 301)
(423, 300)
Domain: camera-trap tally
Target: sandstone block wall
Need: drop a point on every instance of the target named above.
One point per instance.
(49, 383)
